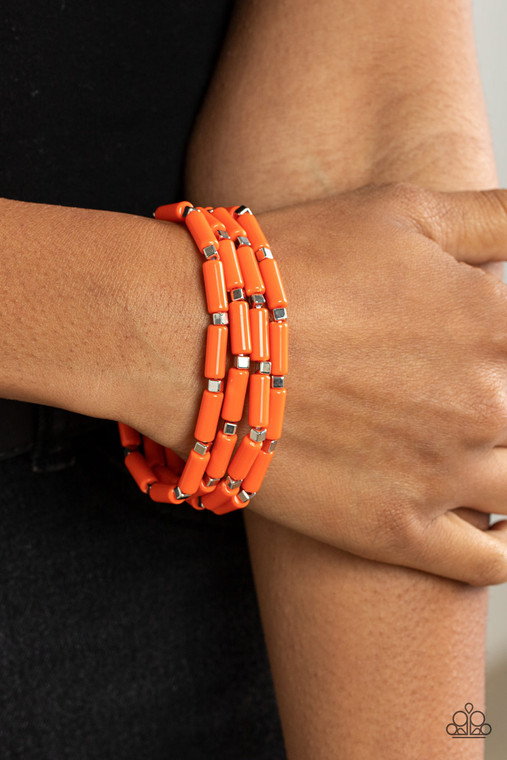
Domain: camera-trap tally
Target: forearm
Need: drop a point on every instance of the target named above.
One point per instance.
(365, 655)
(311, 99)
(92, 303)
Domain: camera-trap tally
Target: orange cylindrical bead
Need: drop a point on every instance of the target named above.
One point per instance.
(250, 270)
(130, 438)
(279, 347)
(253, 231)
(216, 351)
(200, 230)
(277, 399)
(244, 458)
(253, 480)
(220, 495)
(162, 492)
(142, 474)
(203, 490)
(171, 212)
(231, 225)
(153, 452)
(213, 222)
(235, 392)
(228, 257)
(275, 292)
(214, 285)
(193, 471)
(259, 321)
(174, 461)
(241, 341)
(165, 475)
(258, 401)
(230, 505)
(221, 454)
(209, 412)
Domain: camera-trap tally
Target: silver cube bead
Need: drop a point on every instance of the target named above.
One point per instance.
(242, 240)
(264, 253)
(257, 299)
(279, 314)
(278, 381)
(242, 362)
(272, 445)
(244, 496)
(208, 481)
(223, 235)
(258, 435)
(200, 448)
(220, 318)
(179, 493)
(231, 484)
(242, 210)
(230, 428)
(265, 368)
(210, 252)
(214, 386)
(237, 294)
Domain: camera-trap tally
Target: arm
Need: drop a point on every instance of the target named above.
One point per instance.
(330, 96)
(324, 97)
(90, 304)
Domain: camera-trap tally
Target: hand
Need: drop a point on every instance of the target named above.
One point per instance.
(397, 394)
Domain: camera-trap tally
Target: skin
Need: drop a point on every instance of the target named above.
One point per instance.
(90, 331)
(364, 655)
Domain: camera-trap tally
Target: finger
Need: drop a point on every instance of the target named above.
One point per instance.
(453, 548)
(470, 225)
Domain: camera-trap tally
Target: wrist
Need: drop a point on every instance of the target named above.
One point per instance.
(165, 316)
(247, 308)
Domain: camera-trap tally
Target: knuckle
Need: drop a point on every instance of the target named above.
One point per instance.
(417, 207)
(490, 408)
(411, 198)
(486, 295)
(397, 530)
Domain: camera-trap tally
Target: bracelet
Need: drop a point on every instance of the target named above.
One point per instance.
(247, 304)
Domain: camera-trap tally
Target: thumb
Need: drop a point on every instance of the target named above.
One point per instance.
(470, 225)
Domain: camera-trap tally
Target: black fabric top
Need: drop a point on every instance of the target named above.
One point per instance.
(98, 97)
(97, 100)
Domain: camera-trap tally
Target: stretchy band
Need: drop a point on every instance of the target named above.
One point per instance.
(247, 304)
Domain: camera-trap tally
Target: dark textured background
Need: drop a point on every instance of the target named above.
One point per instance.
(97, 98)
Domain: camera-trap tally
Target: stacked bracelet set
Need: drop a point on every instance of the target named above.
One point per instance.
(247, 303)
